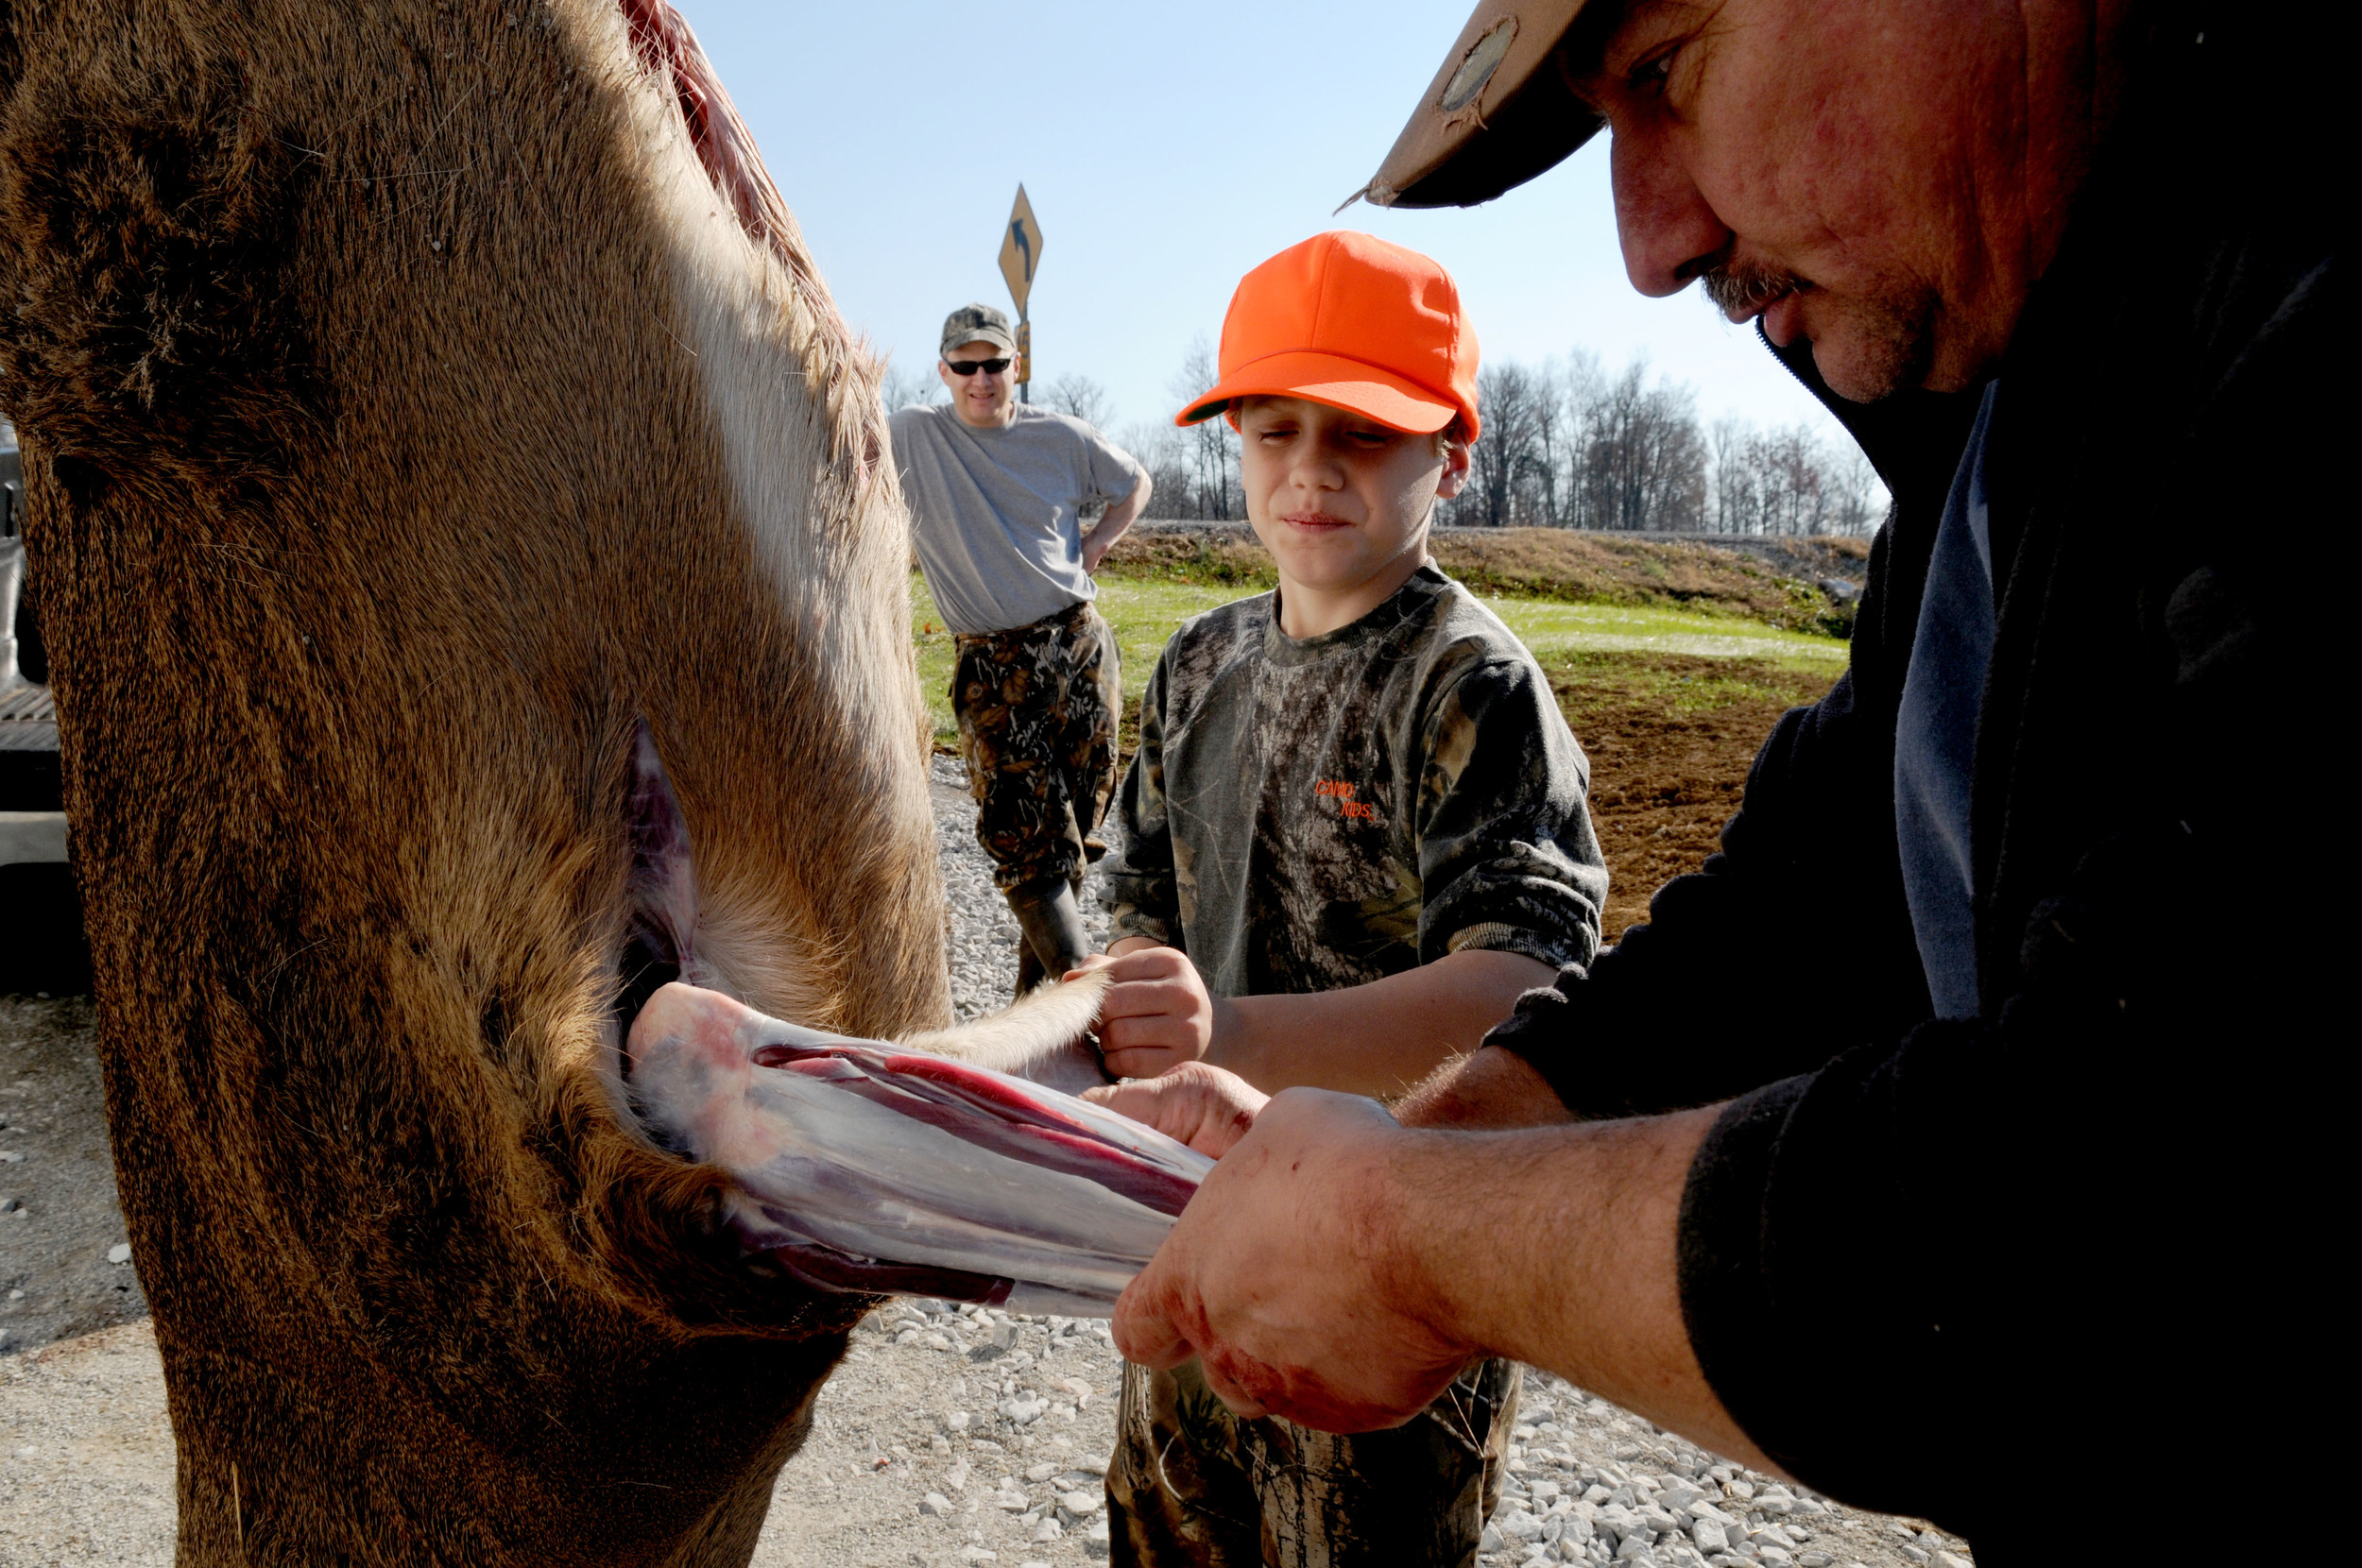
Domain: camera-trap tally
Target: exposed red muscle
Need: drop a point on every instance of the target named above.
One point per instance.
(727, 148)
(664, 43)
(1094, 1158)
(978, 1110)
(987, 1091)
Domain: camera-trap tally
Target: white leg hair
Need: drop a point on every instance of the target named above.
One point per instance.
(1039, 1037)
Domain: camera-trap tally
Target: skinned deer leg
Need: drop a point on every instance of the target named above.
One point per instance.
(861, 1167)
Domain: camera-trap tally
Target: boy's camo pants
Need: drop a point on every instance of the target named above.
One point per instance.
(1036, 708)
(1192, 1484)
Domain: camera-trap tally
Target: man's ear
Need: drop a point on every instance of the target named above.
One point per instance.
(943, 373)
(1455, 475)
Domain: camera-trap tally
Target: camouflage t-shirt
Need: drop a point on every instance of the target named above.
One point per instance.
(1309, 814)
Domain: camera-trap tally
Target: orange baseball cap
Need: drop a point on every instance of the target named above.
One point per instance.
(1350, 320)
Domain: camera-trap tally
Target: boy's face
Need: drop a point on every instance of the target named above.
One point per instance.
(1338, 498)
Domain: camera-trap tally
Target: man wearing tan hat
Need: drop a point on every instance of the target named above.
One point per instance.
(997, 489)
(1910, 1123)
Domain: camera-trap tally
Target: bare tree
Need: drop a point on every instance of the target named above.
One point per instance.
(1734, 476)
(1787, 480)
(1549, 472)
(900, 389)
(1512, 405)
(1644, 461)
(1525, 469)
(1860, 503)
(1081, 396)
(1158, 445)
(1211, 488)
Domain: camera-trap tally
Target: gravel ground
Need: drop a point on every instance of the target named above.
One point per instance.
(951, 1435)
(63, 1265)
(980, 933)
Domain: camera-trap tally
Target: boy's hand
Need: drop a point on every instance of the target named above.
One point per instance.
(1196, 1103)
(1491, 1087)
(1157, 1014)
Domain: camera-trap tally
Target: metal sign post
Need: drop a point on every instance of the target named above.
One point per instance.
(1020, 253)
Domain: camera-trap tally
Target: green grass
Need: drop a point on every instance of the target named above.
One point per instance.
(1597, 688)
(1554, 630)
(1145, 611)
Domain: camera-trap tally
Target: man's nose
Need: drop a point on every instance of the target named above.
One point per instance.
(1669, 231)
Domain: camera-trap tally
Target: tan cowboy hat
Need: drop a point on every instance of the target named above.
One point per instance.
(1500, 112)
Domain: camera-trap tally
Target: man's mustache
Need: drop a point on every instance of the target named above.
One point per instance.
(1742, 290)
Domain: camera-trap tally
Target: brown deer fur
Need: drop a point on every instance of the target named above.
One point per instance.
(407, 417)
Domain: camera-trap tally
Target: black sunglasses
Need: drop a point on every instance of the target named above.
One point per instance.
(969, 367)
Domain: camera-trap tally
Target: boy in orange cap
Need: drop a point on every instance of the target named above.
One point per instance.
(1354, 833)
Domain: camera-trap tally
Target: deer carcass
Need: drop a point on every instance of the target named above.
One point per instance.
(422, 401)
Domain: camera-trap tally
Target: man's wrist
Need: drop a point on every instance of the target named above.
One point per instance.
(1447, 1210)
(1422, 1240)
(1491, 1087)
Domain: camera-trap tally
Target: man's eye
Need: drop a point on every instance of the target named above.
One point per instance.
(1652, 74)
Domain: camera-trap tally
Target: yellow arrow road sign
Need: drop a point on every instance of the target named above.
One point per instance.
(1020, 251)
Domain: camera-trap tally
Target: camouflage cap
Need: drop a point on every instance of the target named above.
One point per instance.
(977, 324)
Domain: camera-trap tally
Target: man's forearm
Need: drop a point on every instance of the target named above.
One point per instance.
(1557, 1247)
(1377, 1039)
(1339, 1268)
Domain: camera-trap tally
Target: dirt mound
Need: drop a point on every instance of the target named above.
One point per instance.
(1209, 553)
(1810, 558)
(1670, 739)
(1737, 577)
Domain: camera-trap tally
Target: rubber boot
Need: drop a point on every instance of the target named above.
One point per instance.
(1053, 939)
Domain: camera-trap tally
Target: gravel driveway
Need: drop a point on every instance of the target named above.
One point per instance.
(952, 1436)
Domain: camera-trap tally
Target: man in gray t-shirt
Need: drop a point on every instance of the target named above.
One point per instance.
(997, 490)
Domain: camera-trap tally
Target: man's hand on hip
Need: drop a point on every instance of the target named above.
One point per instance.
(1284, 1275)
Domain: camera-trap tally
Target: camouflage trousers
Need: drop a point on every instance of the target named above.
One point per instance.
(1036, 707)
(1192, 1484)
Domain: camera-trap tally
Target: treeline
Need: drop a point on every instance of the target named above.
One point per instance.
(1566, 445)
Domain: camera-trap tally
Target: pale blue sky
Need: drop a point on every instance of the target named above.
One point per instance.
(1166, 151)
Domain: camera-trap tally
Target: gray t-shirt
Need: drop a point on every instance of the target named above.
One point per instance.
(996, 514)
(1311, 813)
